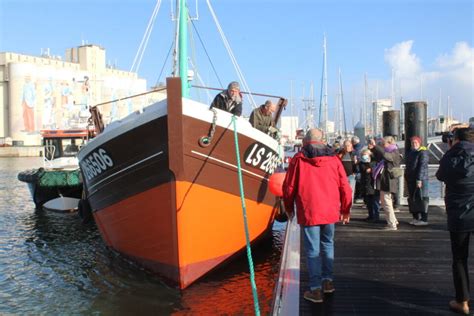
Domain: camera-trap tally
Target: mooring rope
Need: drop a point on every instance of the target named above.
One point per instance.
(244, 212)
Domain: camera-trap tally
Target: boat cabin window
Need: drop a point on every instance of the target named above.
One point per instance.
(52, 148)
(61, 147)
(70, 147)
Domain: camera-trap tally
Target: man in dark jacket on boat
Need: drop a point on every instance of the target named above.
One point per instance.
(262, 119)
(456, 170)
(229, 100)
(317, 184)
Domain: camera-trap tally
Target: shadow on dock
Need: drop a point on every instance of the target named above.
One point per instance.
(377, 272)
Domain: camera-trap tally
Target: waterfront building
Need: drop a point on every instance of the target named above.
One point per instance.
(379, 106)
(47, 92)
(288, 127)
(437, 125)
(328, 126)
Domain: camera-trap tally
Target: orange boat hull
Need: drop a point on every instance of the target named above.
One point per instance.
(161, 198)
(206, 229)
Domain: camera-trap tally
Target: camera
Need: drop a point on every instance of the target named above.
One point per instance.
(447, 137)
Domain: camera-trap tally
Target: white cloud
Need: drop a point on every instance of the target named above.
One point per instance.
(458, 65)
(461, 56)
(400, 58)
(452, 72)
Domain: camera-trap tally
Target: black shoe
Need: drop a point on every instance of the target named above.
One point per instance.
(315, 296)
(328, 287)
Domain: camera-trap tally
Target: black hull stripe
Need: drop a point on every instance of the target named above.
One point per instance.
(123, 170)
(228, 164)
(139, 179)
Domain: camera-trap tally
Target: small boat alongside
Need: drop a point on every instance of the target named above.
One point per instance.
(60, 175)
(62, 204)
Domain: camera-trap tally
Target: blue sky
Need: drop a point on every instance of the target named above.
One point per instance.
(428, 43)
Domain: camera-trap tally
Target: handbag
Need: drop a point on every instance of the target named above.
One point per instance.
(416, 203)
(396, 173)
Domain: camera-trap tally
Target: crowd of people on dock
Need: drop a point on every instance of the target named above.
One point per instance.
(322, 181)
(320, 184)
(374, 174)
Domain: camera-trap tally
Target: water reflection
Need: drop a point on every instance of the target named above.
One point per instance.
(50, 263)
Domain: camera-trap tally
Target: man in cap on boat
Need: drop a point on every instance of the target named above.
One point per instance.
(317, 185)
(261, 118)
(229, 100)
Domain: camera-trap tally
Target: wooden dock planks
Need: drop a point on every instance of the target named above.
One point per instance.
(403, 272)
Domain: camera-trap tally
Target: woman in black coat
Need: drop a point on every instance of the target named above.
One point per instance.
(456, 170)
(367, 186)
(416, 175)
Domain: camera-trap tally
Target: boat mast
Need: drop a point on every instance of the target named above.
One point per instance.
(325, 98)
(292, 135)
(364, 107)
(392, 90)
(337, 114)
(342, 103)
(183, 47)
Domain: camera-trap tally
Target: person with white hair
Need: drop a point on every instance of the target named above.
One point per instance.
(316, 188)
(261, 118)
(357, 149)
(229, 100)
(357, 145)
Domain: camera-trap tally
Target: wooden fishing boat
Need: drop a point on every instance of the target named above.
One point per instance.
(162, 184)
(165, 199)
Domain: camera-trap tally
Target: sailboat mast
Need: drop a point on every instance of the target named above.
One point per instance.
(364, 106)
(392, 90)
(325, 104)
(342, 103)
(292, 127)
(183, 47)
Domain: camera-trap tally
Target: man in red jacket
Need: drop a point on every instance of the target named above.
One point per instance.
(317, 184)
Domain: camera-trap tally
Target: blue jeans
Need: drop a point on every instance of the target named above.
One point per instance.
(373, 205)
(352, 183)
(319, 247)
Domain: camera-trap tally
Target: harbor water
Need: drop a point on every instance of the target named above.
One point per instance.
(51, 263)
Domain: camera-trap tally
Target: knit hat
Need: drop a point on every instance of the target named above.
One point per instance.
(417, 138)
(233, 85)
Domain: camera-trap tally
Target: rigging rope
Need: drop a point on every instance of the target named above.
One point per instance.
(192, 59)
(164, 64)
(143, 44)
(231, 55)
(209, 97)
(244, 212)
(208, 57)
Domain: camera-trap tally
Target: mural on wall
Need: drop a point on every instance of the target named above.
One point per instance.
(72, 110)
(48, 105)
(28, 105)
(47, 97)
(66, 104)
(114, 109)
(129, 103)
